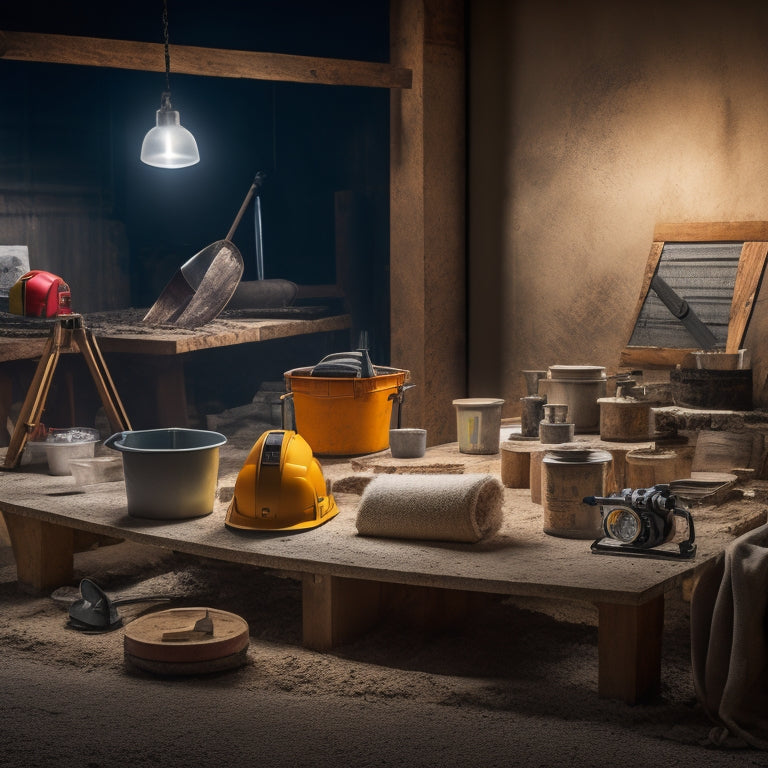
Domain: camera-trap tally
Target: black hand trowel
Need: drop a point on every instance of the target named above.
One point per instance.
(95, 611)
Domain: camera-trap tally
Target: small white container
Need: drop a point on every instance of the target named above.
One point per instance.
(721, 360)
(63, 445)
(407, 443)
(99, 469)
(61, 454)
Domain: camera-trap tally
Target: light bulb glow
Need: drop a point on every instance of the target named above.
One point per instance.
(169, 144)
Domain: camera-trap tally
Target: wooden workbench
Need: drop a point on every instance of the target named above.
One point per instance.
(160, 348)
(345, 576)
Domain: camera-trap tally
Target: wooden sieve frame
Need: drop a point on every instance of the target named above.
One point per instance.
(754, 238)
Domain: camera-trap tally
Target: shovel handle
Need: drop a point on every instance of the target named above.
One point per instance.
(248, 197)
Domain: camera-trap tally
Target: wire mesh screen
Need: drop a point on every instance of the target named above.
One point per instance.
(701, 277)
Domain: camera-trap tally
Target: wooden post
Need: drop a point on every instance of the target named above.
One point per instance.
(171, 393)
(43, 552)
(427, 219)
(629, 650)
(335, 609)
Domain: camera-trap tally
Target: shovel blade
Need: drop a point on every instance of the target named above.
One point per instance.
(200, 289)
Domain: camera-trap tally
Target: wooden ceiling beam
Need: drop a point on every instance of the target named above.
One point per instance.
(193, 60)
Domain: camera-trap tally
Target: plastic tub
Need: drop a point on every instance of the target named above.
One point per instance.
(63, 445)
(344, 416)
(169, 473)
(100, 469)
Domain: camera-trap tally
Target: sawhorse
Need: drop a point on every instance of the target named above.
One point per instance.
(68, 331)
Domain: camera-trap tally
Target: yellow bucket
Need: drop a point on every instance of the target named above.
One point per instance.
(344, 416)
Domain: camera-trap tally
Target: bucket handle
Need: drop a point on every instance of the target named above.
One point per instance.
(110, 441)
(283, 409)
(399, 395)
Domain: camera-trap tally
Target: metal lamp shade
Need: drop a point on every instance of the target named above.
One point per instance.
(169, 144)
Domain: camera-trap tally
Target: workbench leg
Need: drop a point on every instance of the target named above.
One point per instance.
(43, 552)
(171, 393)
(336, 609)
(629, 650)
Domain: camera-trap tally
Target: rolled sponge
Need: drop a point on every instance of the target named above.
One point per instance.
(441, 507)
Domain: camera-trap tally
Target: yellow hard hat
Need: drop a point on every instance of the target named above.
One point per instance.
(280, 487)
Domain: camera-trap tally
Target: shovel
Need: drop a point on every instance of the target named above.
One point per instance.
(201, 288)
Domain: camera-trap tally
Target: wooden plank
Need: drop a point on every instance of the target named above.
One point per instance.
(131, 339)
(629, 650)
(22, 349)
(336, 609)
(43, 552)
(520, 560)
(711, 231)
(653, 357)
(194, 60)
(748, 276)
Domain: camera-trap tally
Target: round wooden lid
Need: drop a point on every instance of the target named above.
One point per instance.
(172, 636)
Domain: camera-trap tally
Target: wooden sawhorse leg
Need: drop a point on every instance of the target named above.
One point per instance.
(6, 399)
(68, 328)
(44, 552)
(629, 650)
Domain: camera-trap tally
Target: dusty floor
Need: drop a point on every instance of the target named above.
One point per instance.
(516, 687)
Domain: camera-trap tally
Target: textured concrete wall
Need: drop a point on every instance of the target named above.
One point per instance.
(590, 122)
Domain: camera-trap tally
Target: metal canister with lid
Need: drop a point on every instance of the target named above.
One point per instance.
(568, 476)
(579, 387)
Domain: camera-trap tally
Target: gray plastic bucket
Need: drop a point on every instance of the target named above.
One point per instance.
(169, 473)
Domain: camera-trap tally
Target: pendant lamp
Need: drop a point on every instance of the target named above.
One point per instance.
(168, 144)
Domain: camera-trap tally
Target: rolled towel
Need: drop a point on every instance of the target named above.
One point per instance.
(441, 507)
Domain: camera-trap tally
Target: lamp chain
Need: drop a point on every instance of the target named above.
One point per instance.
(167, 51)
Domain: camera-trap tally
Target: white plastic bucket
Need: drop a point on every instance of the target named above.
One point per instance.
(478, 424)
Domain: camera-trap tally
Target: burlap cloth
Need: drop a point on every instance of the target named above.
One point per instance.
(445, 507)
(729, 642)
